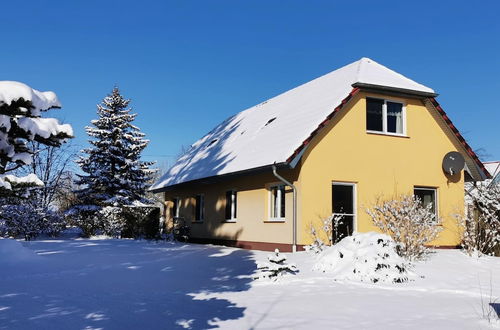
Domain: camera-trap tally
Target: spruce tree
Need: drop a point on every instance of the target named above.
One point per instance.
(114, 175)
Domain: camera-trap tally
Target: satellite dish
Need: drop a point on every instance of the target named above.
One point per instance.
(453, 162)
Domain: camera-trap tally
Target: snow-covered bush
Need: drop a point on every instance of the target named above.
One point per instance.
(86, 217)
(366, 257)
(53, 222)
(22, 220)
(112, 220)
(480, 226)
(317, 245)
(141, 222)
(275, 268)
(330, 229)
(410, 224)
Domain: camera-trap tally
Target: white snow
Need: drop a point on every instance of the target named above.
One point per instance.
(364, 257)
(44, 127)
(252, 139)
(12, 91)
(127, 284)
(13, 252)
(31, 179)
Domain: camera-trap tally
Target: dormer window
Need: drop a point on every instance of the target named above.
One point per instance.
(384, 116)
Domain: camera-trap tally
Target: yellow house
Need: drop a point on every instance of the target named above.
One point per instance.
(333, 145)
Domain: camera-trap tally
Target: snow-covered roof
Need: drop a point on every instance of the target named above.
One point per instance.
(271, 131)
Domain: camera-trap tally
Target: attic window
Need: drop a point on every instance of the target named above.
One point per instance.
(270, 121)
(384, 116)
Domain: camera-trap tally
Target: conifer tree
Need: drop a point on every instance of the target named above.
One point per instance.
(114, 175)
(21, 122)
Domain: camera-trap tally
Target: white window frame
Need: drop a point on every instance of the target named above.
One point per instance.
(202, 208)
(234, 208)
(278, 197)
(436, 199)
(355, 202)
(384, 116)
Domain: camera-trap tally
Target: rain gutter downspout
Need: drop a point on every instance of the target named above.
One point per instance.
(294, 189)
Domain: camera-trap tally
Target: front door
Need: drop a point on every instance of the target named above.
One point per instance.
(343, 209)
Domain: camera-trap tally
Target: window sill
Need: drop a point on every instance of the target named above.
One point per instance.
(387, 134)
(229, 221)
(277, 220)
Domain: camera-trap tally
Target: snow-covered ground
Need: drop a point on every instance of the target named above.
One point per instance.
(127, 284)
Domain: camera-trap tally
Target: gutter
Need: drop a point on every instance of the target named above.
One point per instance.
(294, 189)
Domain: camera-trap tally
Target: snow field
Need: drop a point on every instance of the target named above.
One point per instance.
(128, 284)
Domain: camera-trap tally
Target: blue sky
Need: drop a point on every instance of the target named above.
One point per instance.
(187, 65)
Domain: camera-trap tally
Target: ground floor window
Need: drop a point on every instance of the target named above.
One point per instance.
(277, 203)
(343, 208)
(175, 208)
(200, 208)
(427, 196)
(231, 204)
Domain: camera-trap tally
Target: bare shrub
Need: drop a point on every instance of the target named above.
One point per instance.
(480, 226)
(330, 229)
(410, 224)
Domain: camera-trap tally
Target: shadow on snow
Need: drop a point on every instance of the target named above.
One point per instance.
(122, 284)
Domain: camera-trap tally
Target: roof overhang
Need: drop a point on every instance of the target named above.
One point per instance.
(222, 177)
(393, 91)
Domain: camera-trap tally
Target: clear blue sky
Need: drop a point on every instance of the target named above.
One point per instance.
(187, 65)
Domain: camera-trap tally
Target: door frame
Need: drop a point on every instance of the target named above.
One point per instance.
(354, 200)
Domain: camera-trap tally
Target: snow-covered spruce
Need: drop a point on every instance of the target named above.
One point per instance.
(114, 174)
(276, 268)
(365, 257)
(21, 121)
(410, 224)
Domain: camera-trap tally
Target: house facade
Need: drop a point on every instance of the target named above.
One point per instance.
(334, 145)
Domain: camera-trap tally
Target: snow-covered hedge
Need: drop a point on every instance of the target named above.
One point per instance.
(366, 257)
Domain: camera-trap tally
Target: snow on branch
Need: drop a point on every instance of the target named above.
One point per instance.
(21, 123)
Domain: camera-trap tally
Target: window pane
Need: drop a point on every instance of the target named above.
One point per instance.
(282, 209)
(394, 117)
(342, 199)
(274, 202)
(374, 121)
(427, 197)
(202, 207)
(198, 207)
(228, 205)
(235, 203)
(175, 207)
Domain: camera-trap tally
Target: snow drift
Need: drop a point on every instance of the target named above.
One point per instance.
(365, 257)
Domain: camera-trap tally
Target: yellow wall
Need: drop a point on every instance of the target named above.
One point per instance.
(382, 166)
(252, 223)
